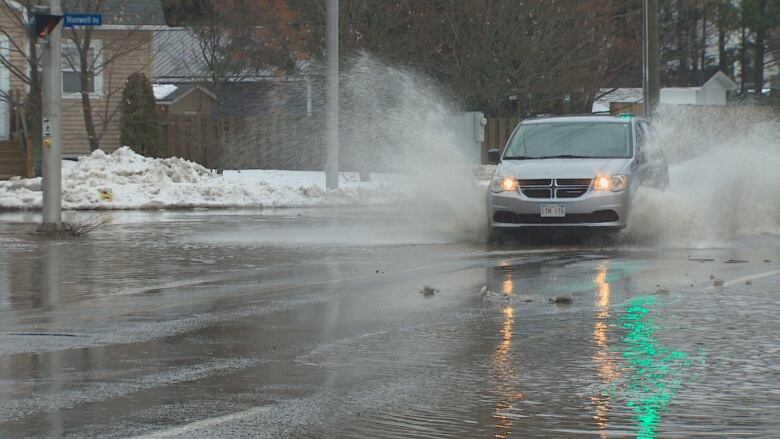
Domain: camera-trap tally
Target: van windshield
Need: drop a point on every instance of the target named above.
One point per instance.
(570, 140)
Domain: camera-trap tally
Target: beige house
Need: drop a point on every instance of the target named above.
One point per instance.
(121, 46)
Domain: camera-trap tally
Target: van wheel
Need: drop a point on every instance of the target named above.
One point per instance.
(496, 236)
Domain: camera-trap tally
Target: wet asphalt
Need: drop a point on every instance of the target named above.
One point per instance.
(317, 323)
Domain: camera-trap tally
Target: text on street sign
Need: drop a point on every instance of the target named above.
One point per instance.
(73, 20)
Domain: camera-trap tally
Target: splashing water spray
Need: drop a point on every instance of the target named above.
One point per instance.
(725, 182)
(393, 121)
(401, 123)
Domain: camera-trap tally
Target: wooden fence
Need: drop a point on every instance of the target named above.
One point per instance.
(251, 142)
(497, 132)
(276, 141)
(191, 137)
(273, 142)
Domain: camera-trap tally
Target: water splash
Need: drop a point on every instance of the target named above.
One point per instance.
(410, 131)
(724, 180)
(392, 120)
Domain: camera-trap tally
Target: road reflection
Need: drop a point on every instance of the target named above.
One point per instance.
(504, 370)
(606, 367)
(506, 286)
(654, 372)
(35, 283)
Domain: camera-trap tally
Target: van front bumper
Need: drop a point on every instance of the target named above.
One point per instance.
(593, 210)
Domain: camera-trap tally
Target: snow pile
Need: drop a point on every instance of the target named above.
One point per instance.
(126, 180)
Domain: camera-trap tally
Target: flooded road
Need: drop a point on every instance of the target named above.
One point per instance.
(312, 324)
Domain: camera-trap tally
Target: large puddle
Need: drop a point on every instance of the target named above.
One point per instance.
(170, 322)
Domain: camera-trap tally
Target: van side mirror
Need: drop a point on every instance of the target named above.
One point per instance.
(494, 155)
(640, 157)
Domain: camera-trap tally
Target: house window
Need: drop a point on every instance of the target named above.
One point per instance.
(71, 70)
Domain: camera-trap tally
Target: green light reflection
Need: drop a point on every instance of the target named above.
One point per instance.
(654, 371)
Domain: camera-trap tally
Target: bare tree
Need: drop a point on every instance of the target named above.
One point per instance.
(542, 54)
(88, 60)
(80, 55)
(725, 23)
(236, 40)
(220, 50)
(761, 18)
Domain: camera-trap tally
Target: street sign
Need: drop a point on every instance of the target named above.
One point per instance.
(74, 20)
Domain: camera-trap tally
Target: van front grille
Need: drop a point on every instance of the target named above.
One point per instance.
(573, 181)
(535, 182)
(570, 192)
(554, 188)
(537, 192)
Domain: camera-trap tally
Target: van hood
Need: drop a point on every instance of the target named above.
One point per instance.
(562, 168)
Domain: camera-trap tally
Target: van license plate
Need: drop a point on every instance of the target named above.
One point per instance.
(553, 210)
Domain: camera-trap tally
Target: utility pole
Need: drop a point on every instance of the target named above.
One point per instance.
(651, 89)
(52, 136)
(332, 97)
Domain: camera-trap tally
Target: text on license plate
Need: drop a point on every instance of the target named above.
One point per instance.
(553, 210)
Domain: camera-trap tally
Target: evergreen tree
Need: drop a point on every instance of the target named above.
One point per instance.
(139, 124)
(761, 17)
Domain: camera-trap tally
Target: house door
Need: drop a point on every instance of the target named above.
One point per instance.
(5, 86)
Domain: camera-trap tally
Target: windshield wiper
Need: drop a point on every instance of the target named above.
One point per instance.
(561, 156)
(565, 156)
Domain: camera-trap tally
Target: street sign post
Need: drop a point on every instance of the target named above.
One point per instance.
(77, 20)
(52, 139)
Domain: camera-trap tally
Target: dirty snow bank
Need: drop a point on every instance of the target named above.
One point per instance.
(126, 180)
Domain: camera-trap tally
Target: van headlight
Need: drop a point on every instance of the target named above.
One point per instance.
(614, 183)
(503, 184)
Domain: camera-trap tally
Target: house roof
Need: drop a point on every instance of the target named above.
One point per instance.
(178, 58)
(170, 93)
(162, 91)
(722, 80)
(634, 95)
(719, 79)
(257, 97)
(631, 94)
(123, 12)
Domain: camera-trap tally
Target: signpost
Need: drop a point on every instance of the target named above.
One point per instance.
(52, 106)
(45, 27)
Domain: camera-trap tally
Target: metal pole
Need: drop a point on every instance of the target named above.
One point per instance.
(645, 66)
(332, 124)
(650, 72)
(52, 139)
(654, 70)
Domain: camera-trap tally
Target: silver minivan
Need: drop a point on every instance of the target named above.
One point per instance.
(571, 172)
